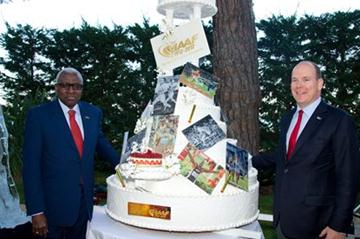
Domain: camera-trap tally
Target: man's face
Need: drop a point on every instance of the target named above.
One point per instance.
(69, 89)
(305, 88)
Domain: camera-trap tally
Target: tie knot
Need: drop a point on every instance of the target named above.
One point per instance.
(301, 112)
(71, 113)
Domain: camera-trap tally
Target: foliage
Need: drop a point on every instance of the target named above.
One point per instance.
(26, 73)
(265, 207)
(330, 40)
(15, 119)
(117, 66)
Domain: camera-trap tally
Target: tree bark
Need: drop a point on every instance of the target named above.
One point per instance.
(235, 63)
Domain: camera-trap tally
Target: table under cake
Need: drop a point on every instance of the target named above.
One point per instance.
(103, 227)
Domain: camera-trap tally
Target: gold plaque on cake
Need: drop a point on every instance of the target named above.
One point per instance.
(148, 210)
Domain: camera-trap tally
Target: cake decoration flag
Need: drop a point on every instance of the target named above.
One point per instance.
(162, 134)
(198, 79)
(200, 169)
(134, 144)
(123, 149)
(237, 167)
(204, 133)
(187, 41)
(166, 92)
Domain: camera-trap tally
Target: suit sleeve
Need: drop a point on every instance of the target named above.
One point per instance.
(346, 154)
(104, 147)
(268, 160)
(32, 154)
(264, 161)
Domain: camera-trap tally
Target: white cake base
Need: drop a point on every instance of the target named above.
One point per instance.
(190, 212)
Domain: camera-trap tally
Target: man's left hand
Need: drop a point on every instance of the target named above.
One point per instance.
(329, 233)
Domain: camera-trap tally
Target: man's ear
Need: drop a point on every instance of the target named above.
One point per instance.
(320, 83)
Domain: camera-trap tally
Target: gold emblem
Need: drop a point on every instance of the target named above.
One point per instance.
(175, 48)
(148, 210)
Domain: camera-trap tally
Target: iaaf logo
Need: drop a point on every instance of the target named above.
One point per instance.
(176, 48)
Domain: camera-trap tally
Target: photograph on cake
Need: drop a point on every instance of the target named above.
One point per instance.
(134, 144)
(204, 133)
(200, 169)
(237, 166)
(148, 111)
(145, 118)
(163, 134)
(198, 79)
(165, 96)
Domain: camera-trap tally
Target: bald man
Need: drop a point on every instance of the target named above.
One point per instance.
(316, 163)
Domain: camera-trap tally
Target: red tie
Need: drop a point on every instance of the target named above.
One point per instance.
(294, 134)
(75, 131)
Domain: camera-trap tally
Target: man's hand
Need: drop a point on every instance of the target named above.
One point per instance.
(329, 233)
(39, 225)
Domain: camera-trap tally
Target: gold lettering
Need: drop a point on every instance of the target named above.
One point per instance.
(177, 48)
(148, 210)
(157, 213)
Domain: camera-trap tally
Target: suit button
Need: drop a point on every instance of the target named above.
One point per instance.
(286, 170)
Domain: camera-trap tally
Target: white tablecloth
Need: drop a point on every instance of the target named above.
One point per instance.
(103, 227)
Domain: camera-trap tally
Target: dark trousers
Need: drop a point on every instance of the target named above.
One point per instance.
(280, 235)
(76, 231)
(22, 231)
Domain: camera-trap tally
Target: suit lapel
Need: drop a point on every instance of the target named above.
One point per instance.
(59, 120)
(311, 126)
(86, 121)
(285, 127)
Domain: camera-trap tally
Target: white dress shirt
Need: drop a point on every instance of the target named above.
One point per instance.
(308, 111)
(77, 116)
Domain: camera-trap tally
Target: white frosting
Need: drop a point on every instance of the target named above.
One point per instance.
(130, 172)
(192, 209)
(187, 98)
(218, 151)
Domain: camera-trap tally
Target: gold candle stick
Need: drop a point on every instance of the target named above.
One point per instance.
(192, 113)
(227, 179)
(120, 177)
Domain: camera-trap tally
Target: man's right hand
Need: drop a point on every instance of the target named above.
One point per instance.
(39, 225)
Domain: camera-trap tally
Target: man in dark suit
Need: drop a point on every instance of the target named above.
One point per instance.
(61, 138)
(316, 163)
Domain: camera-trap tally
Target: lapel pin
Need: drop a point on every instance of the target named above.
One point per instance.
(318, 118)
(87, 117)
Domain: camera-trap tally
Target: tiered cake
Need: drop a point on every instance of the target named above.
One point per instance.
(185, 192)
(179, 171)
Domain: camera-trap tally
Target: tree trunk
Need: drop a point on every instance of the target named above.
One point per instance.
(235, 63)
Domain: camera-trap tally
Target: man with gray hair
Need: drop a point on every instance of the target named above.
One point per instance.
(61, 138)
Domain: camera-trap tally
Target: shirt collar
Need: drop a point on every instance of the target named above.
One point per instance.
(66, 109)
(309, 110)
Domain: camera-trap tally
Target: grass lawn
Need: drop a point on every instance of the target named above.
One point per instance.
(265, 206)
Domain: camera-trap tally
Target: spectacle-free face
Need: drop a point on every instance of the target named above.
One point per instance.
(305, 87)
(69, 89)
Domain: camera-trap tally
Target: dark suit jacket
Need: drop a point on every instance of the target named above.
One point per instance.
(52, 166)
(317, 187)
